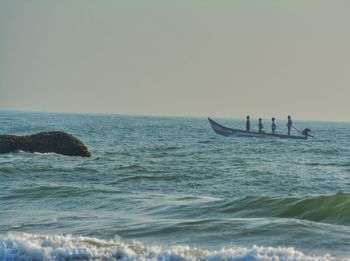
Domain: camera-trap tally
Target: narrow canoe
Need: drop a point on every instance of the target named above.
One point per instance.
(225, 131)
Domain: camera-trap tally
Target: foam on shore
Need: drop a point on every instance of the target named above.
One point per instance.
(25, 246)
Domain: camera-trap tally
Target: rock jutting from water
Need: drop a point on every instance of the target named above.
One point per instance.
(45, 142)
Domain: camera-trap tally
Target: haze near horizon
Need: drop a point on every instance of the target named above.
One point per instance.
(184, 58)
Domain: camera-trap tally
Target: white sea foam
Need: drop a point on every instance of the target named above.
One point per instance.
(46, 153)
(24, 246)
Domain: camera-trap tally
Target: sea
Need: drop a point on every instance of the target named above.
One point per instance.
(169, 188)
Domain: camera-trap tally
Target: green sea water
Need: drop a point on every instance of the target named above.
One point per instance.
(167, 188)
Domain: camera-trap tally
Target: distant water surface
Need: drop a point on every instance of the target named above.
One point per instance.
(159, 188)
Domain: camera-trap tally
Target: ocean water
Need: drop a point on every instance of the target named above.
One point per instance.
(165, 188)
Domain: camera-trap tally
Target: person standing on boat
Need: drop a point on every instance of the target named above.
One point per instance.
(289, 124)
(247, 124)
(260, 125)
(273, 125)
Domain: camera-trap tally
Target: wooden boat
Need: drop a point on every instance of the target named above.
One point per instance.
(225, 131)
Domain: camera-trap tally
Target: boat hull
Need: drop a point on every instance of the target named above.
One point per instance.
(225, 131)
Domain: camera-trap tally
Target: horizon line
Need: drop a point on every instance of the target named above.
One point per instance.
(162, 116)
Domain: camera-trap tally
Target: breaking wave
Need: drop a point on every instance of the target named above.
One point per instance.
(24, 246)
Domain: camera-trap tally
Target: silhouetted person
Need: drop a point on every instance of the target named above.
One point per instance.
(247, 124)
(273, 126)
(289, 124)
(306, 132)
(260, 125)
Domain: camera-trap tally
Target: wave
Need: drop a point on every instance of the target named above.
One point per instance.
(58, 191)
(25, 246)
(46, 153)
(330, 164)
(7, 170)
(324, 150)
(25, 153)
(333, 209)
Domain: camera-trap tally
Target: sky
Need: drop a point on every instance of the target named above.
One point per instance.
(218, 58)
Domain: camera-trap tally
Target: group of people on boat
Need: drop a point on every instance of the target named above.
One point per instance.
(273, 125)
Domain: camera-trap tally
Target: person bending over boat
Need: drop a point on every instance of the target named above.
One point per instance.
(260, 125)
(306, 132)
(289, 124)
(247, 124)
(273, 125)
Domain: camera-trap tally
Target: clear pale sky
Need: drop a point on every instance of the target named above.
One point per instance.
(219, 58)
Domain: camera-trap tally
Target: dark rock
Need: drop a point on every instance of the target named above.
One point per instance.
(44, 142)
